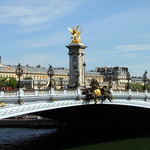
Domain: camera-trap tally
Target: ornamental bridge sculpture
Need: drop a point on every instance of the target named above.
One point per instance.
(69, 105)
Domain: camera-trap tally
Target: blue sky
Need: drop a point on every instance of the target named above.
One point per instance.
(117, 32)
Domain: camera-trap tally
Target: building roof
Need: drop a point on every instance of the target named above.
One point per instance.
(39, 69)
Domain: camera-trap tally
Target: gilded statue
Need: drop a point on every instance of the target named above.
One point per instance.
(75, 34)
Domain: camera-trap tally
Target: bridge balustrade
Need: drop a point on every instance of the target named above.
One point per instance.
(13, 93)
(8, 93)
(66, 92)
(130, 93)
(42, 92)
(29, 93)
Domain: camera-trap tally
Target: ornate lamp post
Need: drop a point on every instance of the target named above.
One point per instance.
(19, 73)
(84, 65)
(77, 74)
(145, 79)
(50, 73)
(128, 78)
(110, 76)
(61, 82)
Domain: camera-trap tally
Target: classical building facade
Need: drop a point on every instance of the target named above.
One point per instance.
(118, 75)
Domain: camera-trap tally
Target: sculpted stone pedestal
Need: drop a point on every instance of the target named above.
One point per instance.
(76, 61)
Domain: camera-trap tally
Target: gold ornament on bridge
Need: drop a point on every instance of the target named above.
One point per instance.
(2, 104)
(75, 34)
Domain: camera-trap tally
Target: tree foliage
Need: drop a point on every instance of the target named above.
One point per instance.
(148, 86)
(3, 81)
(138, 86)
(12, 82)
(8, 82)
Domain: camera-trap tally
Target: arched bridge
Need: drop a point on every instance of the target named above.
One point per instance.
(70, 106)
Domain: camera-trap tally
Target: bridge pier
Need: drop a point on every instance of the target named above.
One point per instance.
(2, 93)
(20, 92)
(78, 91)
(65, 92)
(145, 92)
(51, 91)
(129, 92)
(36, 93)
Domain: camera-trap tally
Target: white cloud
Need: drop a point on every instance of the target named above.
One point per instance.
(34, 12)
(28, 30)
(134, 47)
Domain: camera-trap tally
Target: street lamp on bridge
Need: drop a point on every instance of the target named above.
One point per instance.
(128, 78)
(50, 73)
(84, 65)
(145, 79)
(110, 75)
(19, 72)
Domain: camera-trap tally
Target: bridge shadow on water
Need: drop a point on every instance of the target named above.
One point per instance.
(74, 137)
(93, 124)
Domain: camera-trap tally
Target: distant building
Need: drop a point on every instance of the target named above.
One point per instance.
(137, 80)
(118, 76)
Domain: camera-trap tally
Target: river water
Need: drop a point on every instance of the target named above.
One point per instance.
(18, 138)
(58, 139)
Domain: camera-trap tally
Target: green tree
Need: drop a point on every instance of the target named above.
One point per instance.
(148, 86)
(3, 81)
(135, 86)
(12, 82)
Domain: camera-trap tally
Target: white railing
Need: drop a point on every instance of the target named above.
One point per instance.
(37, 92)
(11, 93)
(130, 93)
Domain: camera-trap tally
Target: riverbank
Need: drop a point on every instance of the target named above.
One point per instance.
(12, 123)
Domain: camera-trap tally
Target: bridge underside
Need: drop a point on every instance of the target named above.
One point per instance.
(101, 115)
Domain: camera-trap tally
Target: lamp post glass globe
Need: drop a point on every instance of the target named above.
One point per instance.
(50, 71)
(19, 70)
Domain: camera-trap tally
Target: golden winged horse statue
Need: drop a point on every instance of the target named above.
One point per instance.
(75, 34)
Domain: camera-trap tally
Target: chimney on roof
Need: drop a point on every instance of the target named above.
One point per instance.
(38, 66)
(0, 60)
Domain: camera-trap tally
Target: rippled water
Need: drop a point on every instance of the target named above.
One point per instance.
(13, 138)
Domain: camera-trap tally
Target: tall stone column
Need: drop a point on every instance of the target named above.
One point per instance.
(76, 61)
